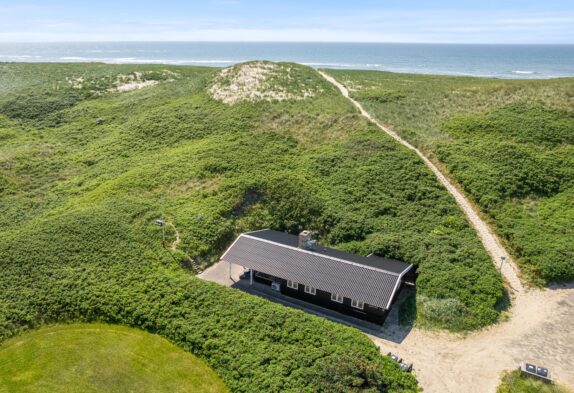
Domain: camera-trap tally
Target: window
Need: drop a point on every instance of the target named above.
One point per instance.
(292, 285)
(357, 304)
(337, 298)
(310, 290)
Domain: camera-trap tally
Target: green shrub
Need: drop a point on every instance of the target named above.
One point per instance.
(509, 143)
(520, 122)
(513, 382)
(349, 373)
(79, 239)
(253, 344)
(517, 161)
(379, 95)
(442, 312)
(37, 106)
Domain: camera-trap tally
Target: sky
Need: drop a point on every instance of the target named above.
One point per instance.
(437, 21)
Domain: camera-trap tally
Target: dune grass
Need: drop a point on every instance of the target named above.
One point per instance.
(86, 170)
(100, 358)
(508, 143)
(513, 382)
(85, 174)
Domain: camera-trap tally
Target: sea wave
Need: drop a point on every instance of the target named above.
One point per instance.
(524, 72)
(136, 60)
(103, 51)
(75, 58)
(115, 55)
(216, 61)
(344, 65)
(19, 57)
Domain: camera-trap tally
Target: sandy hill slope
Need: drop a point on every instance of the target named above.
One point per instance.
(264, 81)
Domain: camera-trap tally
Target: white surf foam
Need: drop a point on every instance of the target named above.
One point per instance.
(76, 58)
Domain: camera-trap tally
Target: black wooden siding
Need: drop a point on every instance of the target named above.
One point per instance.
(370, 285)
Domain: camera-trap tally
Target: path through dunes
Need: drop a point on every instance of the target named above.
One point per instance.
(535, 331)
(487, 236)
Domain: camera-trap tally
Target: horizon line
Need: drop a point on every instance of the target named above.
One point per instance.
(283, 42)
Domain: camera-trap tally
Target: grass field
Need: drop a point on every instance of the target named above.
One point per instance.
(508, 143)
(86, 169)
(86, 358)
(512, 382)
(87, 166)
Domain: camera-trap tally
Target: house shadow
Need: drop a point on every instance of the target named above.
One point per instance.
(401, 318)
(561, 286)
(394, 329)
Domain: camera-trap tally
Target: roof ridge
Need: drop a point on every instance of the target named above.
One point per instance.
(258, 230)
(326, 256)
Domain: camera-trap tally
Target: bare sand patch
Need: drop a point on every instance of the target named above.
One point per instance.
(76, 83)
(134, 81)
(195, 185)
(260, 81)
(538, 331)
(122, 82)
(135, 85)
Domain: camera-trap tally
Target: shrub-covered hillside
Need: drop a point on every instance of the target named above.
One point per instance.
(92, 154)
(510, 145)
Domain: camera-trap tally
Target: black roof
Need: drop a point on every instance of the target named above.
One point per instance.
(390, 265)
(372, 280)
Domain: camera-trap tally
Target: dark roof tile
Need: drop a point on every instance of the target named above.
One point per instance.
(372, 280)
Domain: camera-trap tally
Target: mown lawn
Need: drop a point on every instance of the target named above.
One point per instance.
(508, 143)
(101, 358)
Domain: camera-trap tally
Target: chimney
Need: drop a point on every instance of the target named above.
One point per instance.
(306, 241)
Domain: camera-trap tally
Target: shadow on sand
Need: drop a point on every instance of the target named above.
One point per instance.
(558, 287)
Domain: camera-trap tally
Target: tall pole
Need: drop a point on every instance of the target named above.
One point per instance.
(163, 224)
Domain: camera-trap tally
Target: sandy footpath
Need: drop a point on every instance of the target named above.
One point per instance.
(540, 327)
(539, 330)
(489, 239)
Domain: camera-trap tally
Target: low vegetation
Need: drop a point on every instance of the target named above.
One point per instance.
(100, 358)
(509, 144)
(84, 175)
(513, 382)
(264, 81)
(90, 264)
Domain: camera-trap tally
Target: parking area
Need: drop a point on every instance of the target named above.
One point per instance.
(222, 274)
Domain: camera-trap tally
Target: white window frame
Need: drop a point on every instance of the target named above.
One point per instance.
(310, 290)
(292, 284)
(337, 298)
(357, 304)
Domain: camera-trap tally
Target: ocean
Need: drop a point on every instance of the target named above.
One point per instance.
(499, 61)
